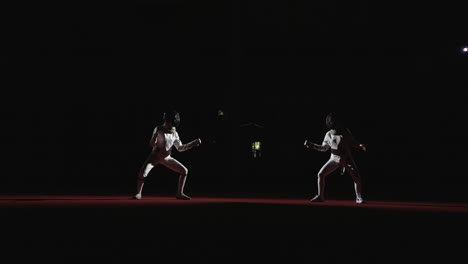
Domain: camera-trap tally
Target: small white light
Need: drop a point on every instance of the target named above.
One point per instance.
(465, 49)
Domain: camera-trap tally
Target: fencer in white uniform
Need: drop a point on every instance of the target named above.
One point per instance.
(164, 138)
(340, 141)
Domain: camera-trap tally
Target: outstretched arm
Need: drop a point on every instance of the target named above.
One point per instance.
(183, 147)
(324, 147)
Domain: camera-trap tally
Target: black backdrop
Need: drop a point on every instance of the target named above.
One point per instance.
(85, 85)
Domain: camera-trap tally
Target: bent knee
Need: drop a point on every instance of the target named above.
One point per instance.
(183, 171)
(321, 175)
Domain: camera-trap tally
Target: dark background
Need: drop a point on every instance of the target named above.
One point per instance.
(85, 84)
